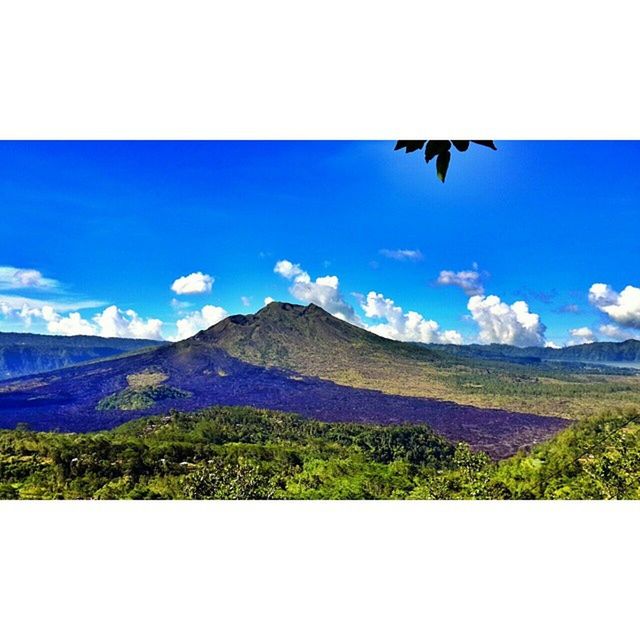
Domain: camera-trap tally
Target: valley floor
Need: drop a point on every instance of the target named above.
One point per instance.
(539, 391)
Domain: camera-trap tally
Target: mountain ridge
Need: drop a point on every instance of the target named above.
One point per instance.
(602, 352)
(311, 341)
(289, 316)
(24, 354)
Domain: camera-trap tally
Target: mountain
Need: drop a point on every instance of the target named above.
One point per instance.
(205, 370)
(614, 352)
(617, 353)
(308, 340)
(312, 342)
(27, 353)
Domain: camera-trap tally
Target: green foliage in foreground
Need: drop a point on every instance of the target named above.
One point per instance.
(241, 453)
(597, 459)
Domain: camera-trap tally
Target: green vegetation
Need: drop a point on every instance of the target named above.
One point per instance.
(309, 341)
(131, 398)
(597, 459)
(542, 391)
(144, 390)
(242, 453)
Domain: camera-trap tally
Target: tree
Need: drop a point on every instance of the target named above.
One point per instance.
(224, 480)
(440, 150)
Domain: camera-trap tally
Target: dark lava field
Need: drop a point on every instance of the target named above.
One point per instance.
(66, 399)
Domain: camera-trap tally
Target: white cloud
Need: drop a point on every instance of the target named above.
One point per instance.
(199, 320)
(622, 307)
(288, 270)
(21, 312)
(502, 323)
(16, 278)
(116, 323)
(246, 301)
(614, 332)
(113, 322)
(325, 291)
(582, 335)
(110, 323)
(601, 294)
(268, 300)
(468, 281)
(397, 325)
(408, 327)
(71, 325)
(10, 304)
(403, 255)
(197, 282)
(25, 310)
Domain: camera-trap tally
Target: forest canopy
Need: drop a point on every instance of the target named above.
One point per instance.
(244, 453)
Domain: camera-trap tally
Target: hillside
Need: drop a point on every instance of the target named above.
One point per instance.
(198, 373)
(309, 340)
(312, 342)
(23, 354)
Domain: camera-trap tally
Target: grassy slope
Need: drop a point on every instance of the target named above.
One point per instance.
(310, 341)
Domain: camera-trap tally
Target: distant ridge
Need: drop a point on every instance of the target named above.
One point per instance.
(24, 354)
(602, 352)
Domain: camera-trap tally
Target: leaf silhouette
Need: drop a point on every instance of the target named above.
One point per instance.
(460, 145)
(442, 164)
(435, 148)
(409, 145)
(440, 149)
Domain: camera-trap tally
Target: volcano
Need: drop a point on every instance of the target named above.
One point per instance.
(281, 358)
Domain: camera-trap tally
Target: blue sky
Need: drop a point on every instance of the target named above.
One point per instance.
(95, 226)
